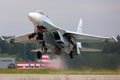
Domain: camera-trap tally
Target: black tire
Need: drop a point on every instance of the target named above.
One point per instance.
(11, 66)
(39, 55)
(71, 55)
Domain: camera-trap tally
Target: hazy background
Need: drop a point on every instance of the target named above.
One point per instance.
(100, 17)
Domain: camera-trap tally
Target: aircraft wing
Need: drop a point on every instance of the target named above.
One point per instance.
(90, 38)
(79, 36)
(21, 39)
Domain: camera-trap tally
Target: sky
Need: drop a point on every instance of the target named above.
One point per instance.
(100, 17)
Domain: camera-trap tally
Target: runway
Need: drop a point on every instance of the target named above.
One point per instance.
(57, 77)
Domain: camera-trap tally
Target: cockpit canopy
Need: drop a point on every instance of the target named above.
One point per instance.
(42, 14)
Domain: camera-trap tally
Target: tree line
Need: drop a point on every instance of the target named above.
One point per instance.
(22, 52)
(108, 58)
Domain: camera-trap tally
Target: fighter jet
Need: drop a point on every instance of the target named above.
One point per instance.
(55, 39)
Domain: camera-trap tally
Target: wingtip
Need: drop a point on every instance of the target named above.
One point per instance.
(115, 40)
(2, 38)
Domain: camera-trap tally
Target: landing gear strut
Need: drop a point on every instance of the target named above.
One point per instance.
(39, 55)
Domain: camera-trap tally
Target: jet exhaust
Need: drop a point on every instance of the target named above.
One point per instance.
(57, 64)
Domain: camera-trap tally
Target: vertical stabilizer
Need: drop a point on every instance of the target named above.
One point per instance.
(79, 30)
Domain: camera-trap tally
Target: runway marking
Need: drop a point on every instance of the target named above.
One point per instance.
(57, 77)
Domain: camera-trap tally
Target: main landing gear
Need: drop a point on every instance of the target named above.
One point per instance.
(71, 54)
(39, 55)
(43, 50)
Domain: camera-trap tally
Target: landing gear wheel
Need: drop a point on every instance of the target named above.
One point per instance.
(39, 55)
(71, 55)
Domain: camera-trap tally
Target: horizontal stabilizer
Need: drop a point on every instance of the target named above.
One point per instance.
(90, 50)
(36, 50)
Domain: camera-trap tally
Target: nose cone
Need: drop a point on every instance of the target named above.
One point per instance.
(34, 17)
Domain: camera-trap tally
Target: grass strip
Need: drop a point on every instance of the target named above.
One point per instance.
(46, 71)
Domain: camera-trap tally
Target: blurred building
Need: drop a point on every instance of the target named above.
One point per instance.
(40, 64)
(7, 62)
